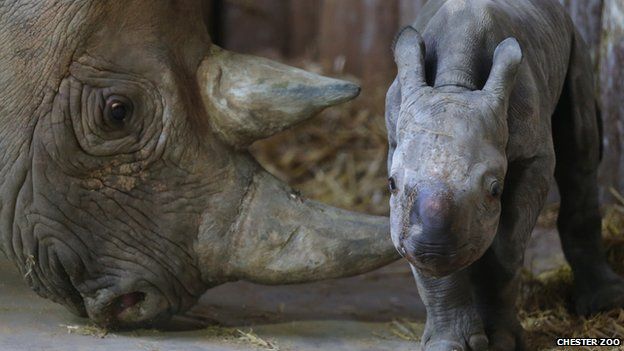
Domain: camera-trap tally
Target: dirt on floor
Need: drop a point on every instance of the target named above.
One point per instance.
(348, 314)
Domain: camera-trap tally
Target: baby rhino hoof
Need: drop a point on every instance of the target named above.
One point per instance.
(507, 340)
(477, 342)
(456, 330)
(603, 298)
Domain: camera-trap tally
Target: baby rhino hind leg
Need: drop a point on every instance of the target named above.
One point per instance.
(577, 140)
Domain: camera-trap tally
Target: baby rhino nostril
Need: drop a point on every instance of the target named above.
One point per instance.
(126, 301)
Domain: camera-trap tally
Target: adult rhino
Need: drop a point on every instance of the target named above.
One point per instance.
(127, 189)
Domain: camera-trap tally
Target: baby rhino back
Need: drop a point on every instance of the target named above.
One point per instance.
(461, 36)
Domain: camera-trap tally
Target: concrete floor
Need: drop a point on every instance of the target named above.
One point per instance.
(346, 314)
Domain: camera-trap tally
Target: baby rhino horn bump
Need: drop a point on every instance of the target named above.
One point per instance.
(249, 98)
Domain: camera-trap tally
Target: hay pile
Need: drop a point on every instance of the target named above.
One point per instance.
(546, 299)
(338, 157)
(544, 314)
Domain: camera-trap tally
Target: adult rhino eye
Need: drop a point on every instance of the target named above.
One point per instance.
(118, 109)
(495, 189)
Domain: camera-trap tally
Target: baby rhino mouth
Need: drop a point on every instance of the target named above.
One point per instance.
(437, 260)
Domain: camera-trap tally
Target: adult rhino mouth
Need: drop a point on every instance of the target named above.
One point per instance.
(126, 302)
(127, 310)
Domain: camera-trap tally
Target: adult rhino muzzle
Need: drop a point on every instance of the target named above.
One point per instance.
(277, 237)
(128, 309)
(127, 188)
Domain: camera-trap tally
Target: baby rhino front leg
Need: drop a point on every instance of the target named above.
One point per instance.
(453, 323)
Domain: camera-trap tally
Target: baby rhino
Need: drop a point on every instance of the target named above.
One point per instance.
(491, 98)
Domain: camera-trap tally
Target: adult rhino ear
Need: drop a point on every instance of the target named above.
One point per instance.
(507, 59)
(250, 98)
(409, 55)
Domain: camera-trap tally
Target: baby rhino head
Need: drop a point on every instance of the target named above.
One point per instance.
(447, 159)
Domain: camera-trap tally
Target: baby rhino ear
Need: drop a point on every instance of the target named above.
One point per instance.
(507, 59)
(409, 55)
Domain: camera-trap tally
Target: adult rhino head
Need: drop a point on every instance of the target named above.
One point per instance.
(127, 189)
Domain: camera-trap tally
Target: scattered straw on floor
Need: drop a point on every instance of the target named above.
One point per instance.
(251, 338)
(407, 330)
(86, 330)
(217, 331)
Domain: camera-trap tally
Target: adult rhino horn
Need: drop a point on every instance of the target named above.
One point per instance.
(281, 238)
(250, 98)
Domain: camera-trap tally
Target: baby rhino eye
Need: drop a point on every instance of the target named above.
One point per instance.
(392, 185)
(118, 109)
(495, 189)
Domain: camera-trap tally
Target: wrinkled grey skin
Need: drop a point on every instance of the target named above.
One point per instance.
(128, 217)
(491, 98)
